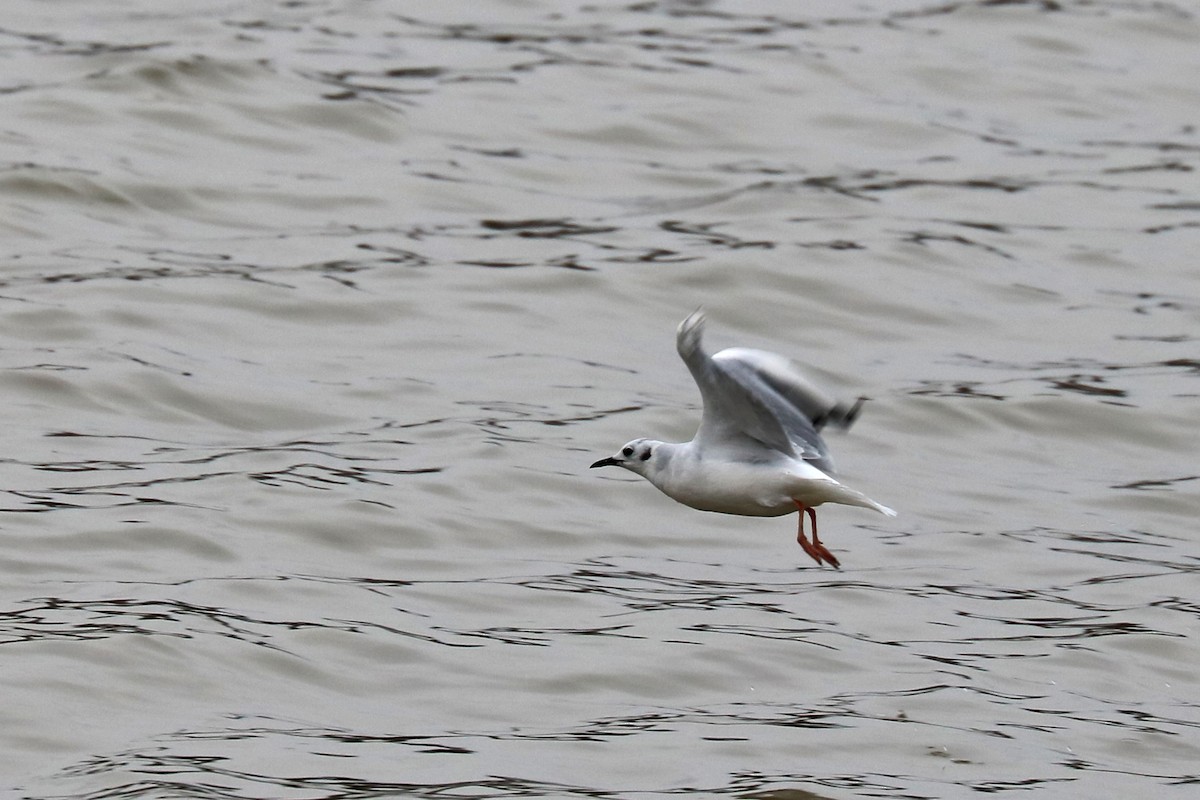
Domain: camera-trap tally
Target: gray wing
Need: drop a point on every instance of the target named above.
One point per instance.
(785, 379)
(754, 399)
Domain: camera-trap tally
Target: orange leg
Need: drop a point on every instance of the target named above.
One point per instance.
(815, 549)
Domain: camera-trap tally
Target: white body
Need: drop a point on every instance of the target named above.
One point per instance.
(769, 487)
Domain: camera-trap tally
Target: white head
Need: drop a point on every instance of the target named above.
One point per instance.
(641, 456)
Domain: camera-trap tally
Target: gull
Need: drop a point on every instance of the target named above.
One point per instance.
(758, 451)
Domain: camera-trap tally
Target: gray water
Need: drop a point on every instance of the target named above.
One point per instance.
(313, 314)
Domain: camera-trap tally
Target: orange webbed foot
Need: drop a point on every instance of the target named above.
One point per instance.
(817, 551)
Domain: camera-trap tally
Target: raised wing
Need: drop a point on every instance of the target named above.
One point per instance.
(786, 379)
(758, 396)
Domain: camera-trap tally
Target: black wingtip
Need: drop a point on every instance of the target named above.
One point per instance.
(841, 415)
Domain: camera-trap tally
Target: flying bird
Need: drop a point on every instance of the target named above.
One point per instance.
(758, 451)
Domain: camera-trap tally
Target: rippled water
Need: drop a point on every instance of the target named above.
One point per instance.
(315, 313)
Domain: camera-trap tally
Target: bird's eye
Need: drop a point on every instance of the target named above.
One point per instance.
(646, 455)
(627, 452)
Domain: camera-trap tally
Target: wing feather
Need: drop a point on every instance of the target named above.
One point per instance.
(754, 399)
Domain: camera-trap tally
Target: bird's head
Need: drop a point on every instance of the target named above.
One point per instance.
(639, 456)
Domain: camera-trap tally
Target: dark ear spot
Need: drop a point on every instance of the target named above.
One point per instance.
(646, 455)
(627, 452)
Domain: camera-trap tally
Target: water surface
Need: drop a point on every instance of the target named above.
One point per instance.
(313, 315)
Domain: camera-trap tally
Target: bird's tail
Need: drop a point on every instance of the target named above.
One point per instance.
(853, 497)
(882, 509)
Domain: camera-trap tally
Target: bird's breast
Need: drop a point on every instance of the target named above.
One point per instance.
(751, 490)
